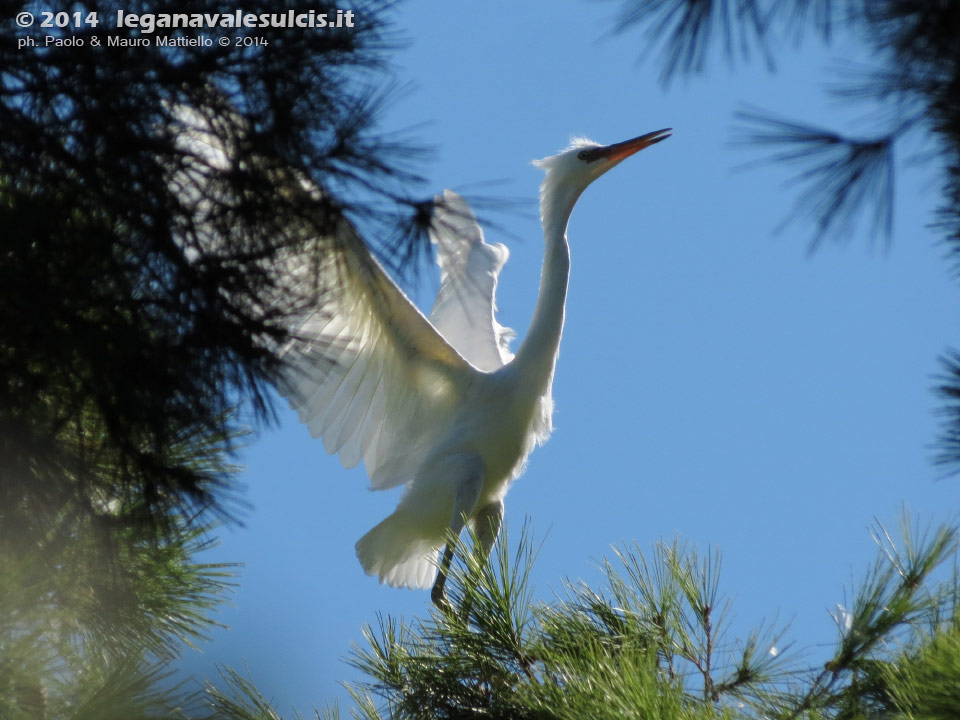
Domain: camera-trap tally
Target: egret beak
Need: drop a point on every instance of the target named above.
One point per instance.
(621, 150)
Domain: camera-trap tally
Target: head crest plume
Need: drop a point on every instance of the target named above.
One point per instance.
(577, 142)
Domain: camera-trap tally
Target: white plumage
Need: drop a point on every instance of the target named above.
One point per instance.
(439, 405)
(379, 382)
(465, 309)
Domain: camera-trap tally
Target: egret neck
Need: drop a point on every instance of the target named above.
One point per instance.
(537, 356)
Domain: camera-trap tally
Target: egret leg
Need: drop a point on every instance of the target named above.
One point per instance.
(438, 594)
(487, 525)
(468, 491)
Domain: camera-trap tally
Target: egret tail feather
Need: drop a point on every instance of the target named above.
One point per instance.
(397, 551)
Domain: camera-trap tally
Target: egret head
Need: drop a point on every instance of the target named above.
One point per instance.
(571, 170)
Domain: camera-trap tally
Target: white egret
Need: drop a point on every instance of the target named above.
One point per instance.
(439, 404)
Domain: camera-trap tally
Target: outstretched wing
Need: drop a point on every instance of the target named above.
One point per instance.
(367, 371)
(465, 308)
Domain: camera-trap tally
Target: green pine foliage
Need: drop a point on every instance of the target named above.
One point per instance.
(654, 642)
(94, 607)
(926, 683)
(88, 637)
(94, 604)
(134, 270)
(133, 325)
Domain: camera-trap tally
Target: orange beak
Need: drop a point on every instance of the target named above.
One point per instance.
(625, 149)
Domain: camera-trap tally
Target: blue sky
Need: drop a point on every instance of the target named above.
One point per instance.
(715, 381)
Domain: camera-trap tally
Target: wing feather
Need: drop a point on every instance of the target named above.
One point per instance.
(366, 370)
(465, 308)
(351, 430)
